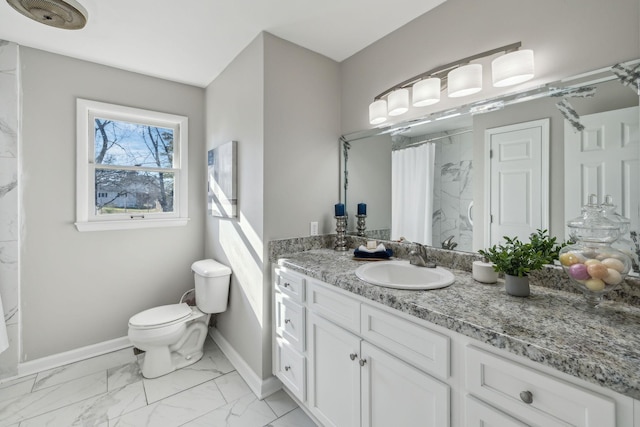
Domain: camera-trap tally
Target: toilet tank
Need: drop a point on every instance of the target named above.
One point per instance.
(212, 285)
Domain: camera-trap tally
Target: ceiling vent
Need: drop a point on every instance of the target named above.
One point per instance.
(69, 14)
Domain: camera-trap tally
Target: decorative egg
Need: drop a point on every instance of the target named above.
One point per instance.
(598, 271)
(614, 263)
(594, 284)
(579, 272)
(613, 278)
(569, 258)
(592, 261)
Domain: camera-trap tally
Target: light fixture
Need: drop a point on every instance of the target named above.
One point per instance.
(512, 68)
(378, 112)
(398, 102)
(426, 92)
(465, 80)
(461, 78)
(65, 14)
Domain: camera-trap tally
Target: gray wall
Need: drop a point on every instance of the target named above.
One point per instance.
(234, 111)
(281, 103)
(568, 37)
(79, 289)
(369, 181)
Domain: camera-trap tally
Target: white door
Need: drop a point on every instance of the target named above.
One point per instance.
(397, 394)
(516, 180)
(334, 380)
(603, 159)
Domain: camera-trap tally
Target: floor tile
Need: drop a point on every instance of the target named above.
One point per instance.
(83, 368)
(232, 386)
(213, 352)
(295, 418)
(175, 410)
(95, 411)
(212, 365)
(16, 387)
(280, 402)
(247, 411)
(14, 381)
(51, 398)
(123, 375)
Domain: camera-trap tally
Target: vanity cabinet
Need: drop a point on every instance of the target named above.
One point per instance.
(364, 367)
(289, 360)
(352, 362)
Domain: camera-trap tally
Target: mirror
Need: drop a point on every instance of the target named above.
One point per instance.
(463, 196)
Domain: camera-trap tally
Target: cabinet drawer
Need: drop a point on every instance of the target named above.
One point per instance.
(291, 369)
(335, 307)
(553, 402)
(479, 414)
(419, 346)
(290, 321)
(290, 284)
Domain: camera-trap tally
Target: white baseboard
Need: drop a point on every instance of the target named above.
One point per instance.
(60, 359)
(261, 388)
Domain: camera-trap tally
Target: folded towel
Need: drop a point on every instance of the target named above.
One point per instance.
(380, 254)
(379, 248)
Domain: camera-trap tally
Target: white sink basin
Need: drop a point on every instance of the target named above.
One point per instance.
(402, 275)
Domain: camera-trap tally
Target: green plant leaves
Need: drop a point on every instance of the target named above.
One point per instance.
(519, 259)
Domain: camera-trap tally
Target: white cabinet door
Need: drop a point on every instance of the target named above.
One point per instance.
(395, 393)
(334, 373)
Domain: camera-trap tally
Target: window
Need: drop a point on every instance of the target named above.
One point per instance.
(131, 168)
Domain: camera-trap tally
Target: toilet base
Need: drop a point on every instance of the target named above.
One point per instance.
(188, 350)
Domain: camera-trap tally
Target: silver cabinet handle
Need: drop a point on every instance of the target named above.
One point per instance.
(287, 320)
(287, 368)
(286, 284)
(353, 356)
(363, 362)
(526, 397)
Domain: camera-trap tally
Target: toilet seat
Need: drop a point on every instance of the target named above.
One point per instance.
(164, 315)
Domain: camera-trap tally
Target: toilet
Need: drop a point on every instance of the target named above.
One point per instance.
(173, 335)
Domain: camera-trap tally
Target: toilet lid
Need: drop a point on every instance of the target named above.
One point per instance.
(161, 315)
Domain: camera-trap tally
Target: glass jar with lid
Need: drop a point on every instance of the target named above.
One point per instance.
(593, 265)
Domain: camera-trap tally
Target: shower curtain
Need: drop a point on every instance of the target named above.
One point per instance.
(412, 177)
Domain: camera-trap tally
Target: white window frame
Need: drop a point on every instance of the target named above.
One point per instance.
(86, 219)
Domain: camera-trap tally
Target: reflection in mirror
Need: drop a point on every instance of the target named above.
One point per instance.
(448, 198)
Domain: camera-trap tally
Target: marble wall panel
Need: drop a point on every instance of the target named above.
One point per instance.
(9, 202)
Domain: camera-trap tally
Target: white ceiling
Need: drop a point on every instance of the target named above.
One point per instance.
(192, 41)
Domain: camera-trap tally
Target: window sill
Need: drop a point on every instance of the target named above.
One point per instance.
(130, 224)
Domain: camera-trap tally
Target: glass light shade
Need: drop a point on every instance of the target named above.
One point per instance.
(398, 102)
(465, 80)
(426, 92)
(378, 112)
(512, 68)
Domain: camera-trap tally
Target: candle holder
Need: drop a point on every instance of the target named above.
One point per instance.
(341, 233)
(361, 224)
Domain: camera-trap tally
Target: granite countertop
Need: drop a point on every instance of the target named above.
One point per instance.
(552, 327)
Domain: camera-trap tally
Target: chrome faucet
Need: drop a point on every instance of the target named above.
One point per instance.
(418, 257)
(449, 244)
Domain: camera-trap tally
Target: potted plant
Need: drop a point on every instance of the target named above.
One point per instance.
(517, 259)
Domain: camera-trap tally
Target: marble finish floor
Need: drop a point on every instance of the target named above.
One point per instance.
(109, 391)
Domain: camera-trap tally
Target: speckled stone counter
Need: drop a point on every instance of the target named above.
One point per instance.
(552, 326)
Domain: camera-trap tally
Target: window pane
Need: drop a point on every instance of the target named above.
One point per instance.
(133, 192)
(131, 144)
